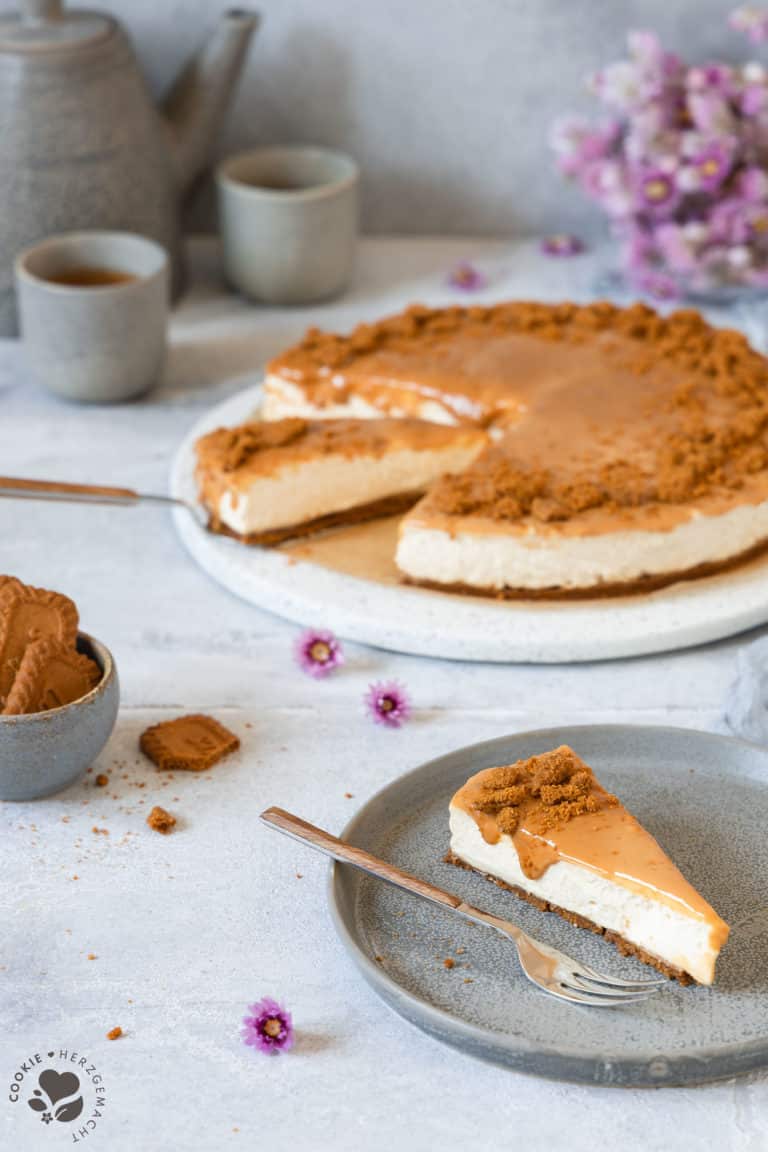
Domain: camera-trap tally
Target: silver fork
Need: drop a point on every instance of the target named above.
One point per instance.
(549, 969)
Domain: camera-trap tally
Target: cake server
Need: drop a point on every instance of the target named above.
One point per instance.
(17, 488)
(549, 969)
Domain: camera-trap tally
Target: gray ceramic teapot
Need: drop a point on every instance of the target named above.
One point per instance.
(81, 145)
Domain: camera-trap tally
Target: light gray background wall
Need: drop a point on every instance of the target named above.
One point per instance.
(445, 103)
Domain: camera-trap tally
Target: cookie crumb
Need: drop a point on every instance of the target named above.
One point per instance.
(449, 962)
(92, 956)
(114, 1033)
(160, 820)
(102, 780)
(348, 795)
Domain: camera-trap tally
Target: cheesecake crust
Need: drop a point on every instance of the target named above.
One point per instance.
(625, 947)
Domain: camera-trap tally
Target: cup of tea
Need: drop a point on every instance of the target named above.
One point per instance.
(93, 313)
(288, 220)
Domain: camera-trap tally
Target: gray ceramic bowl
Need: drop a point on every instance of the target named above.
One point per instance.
(46, 751)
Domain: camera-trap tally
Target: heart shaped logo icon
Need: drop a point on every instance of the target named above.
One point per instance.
(58, 1085)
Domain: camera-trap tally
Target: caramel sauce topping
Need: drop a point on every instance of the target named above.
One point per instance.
(598, 407)
(554, 809)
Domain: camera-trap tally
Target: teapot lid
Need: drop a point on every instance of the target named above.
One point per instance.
(44, 25)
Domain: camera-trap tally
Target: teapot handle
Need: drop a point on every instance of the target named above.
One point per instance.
(34, 11)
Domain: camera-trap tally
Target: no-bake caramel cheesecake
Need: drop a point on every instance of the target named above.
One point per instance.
(629, 449)
(270, 482)
(545, 829)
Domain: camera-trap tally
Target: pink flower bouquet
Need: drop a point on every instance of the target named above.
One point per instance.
(679, 166)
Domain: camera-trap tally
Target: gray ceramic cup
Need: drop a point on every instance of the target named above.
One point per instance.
(99, 344)
(288, 220)
(46, 751)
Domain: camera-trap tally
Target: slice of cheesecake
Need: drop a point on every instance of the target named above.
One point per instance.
(270, 482)
(545, 829)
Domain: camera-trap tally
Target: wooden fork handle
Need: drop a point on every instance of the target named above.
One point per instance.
(53, 488)
(299, 829)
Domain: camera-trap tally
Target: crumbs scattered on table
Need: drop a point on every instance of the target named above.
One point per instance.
(468, 980)
(102, 780)
(114, 1033)
(449, 962)
(299, 875)
(348, 795)
(100, 831)
(161, 820)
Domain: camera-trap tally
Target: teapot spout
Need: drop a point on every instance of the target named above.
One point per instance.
(197, 102)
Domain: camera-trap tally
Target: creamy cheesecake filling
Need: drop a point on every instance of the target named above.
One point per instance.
(308, 490)
(508, 557)
(262, 476)
(546, 826)
(675, 937)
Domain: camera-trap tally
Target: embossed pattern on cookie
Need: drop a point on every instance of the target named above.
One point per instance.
(189, 743)
(27, 615)
(50, 675)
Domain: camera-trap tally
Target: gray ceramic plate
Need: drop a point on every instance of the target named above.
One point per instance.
(704, 797)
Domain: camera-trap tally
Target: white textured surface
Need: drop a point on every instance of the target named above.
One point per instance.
(192, 927)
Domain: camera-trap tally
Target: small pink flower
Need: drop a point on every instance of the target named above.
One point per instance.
(465, 277)
(714, 163)
(658, 285)
(268, 1027)
(318, 652)
(388, 703)
(656, 191)
(562, 244)
(752, 21)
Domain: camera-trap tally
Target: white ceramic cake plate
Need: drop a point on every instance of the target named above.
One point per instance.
(426, 623)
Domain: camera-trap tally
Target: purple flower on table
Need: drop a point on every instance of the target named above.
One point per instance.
(576, 143)
(752, 21)
(268, 1027)
(713, 78)
(659, 285)
(318, 652)
(731, 221)
(752, 185)
(681, 245)
(710, 112)
(388, 703)
(656, 191)
(713, 163)
(465, 277)
(562, 244)
(753, 100)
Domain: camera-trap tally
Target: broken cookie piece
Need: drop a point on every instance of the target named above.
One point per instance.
(189, 743)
